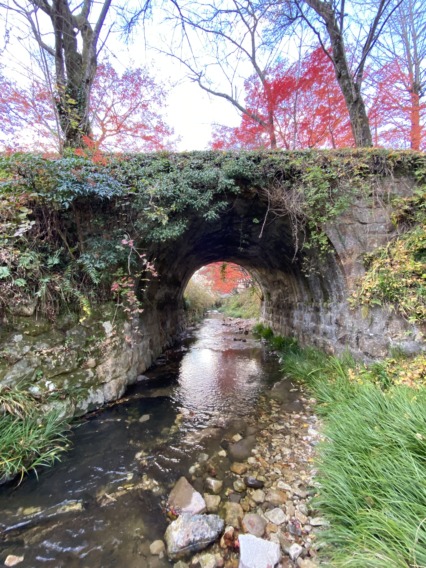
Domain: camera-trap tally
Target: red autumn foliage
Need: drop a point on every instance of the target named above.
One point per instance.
(397, 115)
(125, 113)
(225, 277)
(308, 108)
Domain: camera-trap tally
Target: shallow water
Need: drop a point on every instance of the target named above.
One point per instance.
(103, 504)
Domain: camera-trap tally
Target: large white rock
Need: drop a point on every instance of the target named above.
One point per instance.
(184, 499)
(258, 553)
(191, 533)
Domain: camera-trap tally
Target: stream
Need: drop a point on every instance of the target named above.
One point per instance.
(104, 503)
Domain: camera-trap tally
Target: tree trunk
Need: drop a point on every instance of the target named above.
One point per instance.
(75, 56)
(350, 85)
(415, 128)
(360, 124)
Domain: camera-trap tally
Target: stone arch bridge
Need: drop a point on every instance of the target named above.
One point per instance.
(258, 210)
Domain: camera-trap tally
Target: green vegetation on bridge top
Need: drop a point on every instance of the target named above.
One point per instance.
(79, 229)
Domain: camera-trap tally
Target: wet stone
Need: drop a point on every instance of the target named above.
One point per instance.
(212, 502)
(233, 514)
(207, 561)
(238, 468)
(184, 499)
(191, 533)
(13, 560)
(253, 524)
(214, 485)
(241, 450)
(157, 548)
(253, 482)
(239, 485)
(258, 496)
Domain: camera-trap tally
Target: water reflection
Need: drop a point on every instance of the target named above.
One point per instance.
(120, 467)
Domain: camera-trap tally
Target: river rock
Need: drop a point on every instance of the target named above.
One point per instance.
(241, 450)
(233, 513)
(184, 499)
(276, 516)
(239, 485)
(306, 563)
(207, 561)
(276, 497)
(214, 485)
(157, 548)
(13, 560)
(238, 468)
(258, 496)
(295, 551)
(319, 522)
(258, 553)
(253, 482)
(212, 502)
(253, 524)
(191, 533)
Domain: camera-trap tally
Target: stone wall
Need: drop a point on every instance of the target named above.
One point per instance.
(87, 363)
(315, 308)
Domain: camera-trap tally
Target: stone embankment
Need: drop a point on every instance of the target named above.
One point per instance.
(257, 511)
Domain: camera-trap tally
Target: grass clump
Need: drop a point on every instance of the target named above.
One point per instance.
(245, 304)
(371, 464)
(30, 435)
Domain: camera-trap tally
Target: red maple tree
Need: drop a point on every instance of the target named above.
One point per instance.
(225, 277)
(126, 113)
(397, 114)
(308, 108)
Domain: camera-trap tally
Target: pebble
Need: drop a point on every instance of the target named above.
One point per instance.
(214, 485)
(301, 517)
(239, 485)
(276, 497)
(306, 563)
(276, 516)
(233, 514)
(253, 524)
(212, 502)
(237, 437)
(295, 551)
(239, 468)
(144, 418)
(319, 522)
(13, 560)
(157, 548)
(258, 496)
(253, 482)
(207, 561)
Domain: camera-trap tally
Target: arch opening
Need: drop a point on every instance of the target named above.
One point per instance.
(226, 286)
(294, 302)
